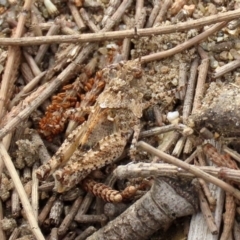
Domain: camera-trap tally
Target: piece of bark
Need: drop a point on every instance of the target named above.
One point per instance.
(220, 110)
(155, 210)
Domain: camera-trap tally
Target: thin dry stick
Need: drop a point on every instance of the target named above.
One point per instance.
(26, 89)
(44, 47)
(185, 45)
(163, 129)
(229, 217)
(202, 75)
(70, 216)
(163, 11)
(88, 21)
(183, 72)
(98, 37)
(179, 147)
(32, 64)
(35, 192)
(190, 168)
(161, 169)
(154, 13)
(21, 192)
(12, 55)
(188, 101)
(226, 68)
(45, 211)
(75, 13)
(232, 153)
(207, 213)
(87, 232)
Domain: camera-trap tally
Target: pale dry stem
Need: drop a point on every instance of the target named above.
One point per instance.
(226, 68)
(190, 168)
(163, 12)
(78, 19)
(202, 76)
(232, 153)
(188, 101)
(35, 192)
(154, 13)
(161, 169)
(207, 213)
(2, 233)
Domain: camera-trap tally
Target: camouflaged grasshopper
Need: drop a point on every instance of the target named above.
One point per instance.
(113, 119)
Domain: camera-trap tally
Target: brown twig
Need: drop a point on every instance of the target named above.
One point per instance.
(202, 76)
(229, 217)
(183, 46)
(163, 11)
(95, 37)
(226, 68)
(44, 47)
(69, 217)
(78, 19)
(188, 100)
(154, 13)
(87, 20)
(207, 213)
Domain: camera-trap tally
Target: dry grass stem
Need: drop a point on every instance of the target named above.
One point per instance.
(154, 13)
(202, 76)
(226, 68)
(114, 35)
(207, 213)
(163, 11)
(182, 82)
(188, 100)
(170, 139)
(229, 217)
(87, 20)
(87, 232)
(35, 192)
(163, 129)
(21, 192)
(32, 64)
(232, 153)
(45, 211)
(179, 147)
(78, 19)
(191, 158)
(44, 47)
(26, 89)
(69, 217)
(84, 205)
(160, 169)
(190, 168)
(15, 204)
